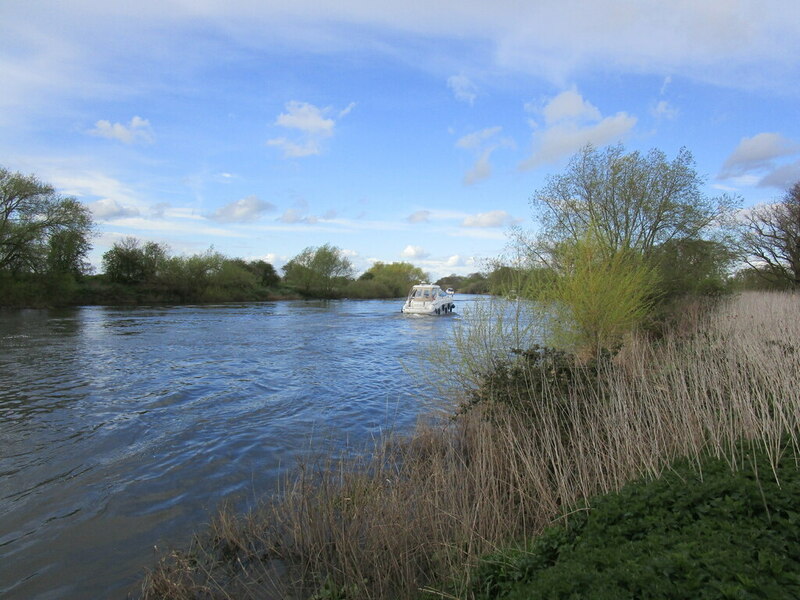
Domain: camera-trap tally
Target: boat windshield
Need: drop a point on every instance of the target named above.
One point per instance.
(424, 293)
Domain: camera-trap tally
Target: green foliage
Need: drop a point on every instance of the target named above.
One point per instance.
(760, 279)
(634, 204)
(708, 533)
(691, 266)
(630, 201)
(531, 376)
(146, 273)
(597, 296)
(321, 272)
(41, 231)
(265, 273)
(396, 277)
(474, 283)
(130, 261)
(368, 288)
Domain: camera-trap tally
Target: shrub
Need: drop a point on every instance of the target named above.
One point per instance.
(691, 533)
(599, 295)
(533, 375)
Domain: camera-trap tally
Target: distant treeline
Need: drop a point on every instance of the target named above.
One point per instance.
(634, 241)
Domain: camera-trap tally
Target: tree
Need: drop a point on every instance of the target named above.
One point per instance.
(692, 266)
(318, 270)
(771, 239)
(39, 228)
(631, 201)
(66, 253)
(398, 277)
(128, 261)
(265, 272)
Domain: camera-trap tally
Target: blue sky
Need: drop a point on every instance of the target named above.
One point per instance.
(411, 131)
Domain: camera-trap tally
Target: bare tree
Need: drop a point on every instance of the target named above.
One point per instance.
(771, 239)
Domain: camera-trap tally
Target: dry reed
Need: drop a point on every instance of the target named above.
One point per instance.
(411, 516)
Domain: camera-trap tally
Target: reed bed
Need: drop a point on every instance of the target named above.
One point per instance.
(410, 517)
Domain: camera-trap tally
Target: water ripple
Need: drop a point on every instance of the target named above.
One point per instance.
(123, 429)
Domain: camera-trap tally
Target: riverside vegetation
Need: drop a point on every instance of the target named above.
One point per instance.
(450, 511)
(648, 369)
(634, 376)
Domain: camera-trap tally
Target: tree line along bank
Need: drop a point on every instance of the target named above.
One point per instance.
(611, 212)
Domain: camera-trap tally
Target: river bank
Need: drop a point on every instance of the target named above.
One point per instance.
(419, 513)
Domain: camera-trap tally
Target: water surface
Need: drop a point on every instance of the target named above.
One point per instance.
(122, 429)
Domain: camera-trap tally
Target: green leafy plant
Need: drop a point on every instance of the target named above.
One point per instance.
(692, 533)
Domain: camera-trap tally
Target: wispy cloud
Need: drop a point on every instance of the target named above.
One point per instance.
(463, 88)
(483, 143)
(664, 110)
(420, 216)
(571, 122)
(137, 130)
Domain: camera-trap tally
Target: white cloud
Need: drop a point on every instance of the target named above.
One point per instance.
(757, 153)
(242, 210)
(494, 218)
(305, 117)
(414, 252)
(312, 127)
(463, 88)
(420, 216)
(108, 209)
(572, 122)
(455, 261)
(107, 197)
(569, 106)
(664, 110)
(138, 130)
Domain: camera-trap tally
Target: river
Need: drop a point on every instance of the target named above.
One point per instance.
(123, 429)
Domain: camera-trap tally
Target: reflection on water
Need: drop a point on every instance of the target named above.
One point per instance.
(122, 429)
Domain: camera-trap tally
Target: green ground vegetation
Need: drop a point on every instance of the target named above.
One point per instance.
(700, 530)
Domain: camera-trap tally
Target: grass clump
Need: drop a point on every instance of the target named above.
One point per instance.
(705, 532)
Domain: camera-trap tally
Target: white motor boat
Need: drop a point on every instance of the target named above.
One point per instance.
(428, 299)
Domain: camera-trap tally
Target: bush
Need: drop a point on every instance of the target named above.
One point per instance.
(599, 296)
(691, 533)
(533, 375)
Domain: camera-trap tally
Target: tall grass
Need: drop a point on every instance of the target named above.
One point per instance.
(411, 516)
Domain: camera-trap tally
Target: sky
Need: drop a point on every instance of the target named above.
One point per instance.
(414, 131)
